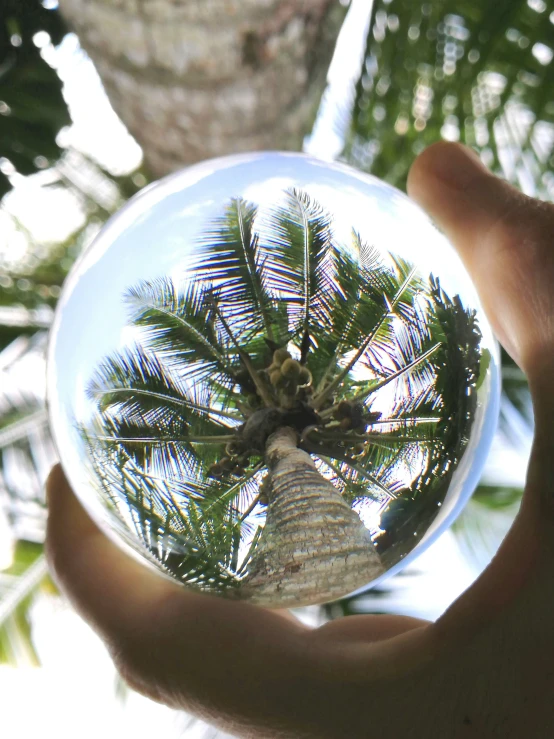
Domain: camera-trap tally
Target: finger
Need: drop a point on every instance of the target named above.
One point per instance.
(378, 627)
(110, 589)
(505, 240)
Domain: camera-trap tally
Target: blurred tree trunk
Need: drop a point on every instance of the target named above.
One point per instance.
(193, 79)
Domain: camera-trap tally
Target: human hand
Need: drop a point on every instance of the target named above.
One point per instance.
(484, 669)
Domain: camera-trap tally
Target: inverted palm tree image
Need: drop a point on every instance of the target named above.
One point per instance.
(288, 421)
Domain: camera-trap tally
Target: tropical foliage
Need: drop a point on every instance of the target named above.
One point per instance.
(18, 587)
(279, 325)
(463, 70)
(28, 131)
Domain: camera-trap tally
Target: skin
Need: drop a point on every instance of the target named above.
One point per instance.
(484, 669)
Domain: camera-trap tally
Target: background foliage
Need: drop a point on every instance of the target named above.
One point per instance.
(28, 131)
(457, 69)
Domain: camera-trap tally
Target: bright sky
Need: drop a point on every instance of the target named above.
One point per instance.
(72, 694)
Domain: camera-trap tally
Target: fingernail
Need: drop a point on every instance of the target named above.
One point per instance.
(456, 165)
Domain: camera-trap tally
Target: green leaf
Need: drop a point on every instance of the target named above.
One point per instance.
(193, 529)
(300, 262)
(18, 586)
(461, 70)
(134, 384)
(33, 109)
(180, 325)
(231, 258)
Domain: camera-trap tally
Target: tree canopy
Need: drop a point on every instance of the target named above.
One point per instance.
(279, 324)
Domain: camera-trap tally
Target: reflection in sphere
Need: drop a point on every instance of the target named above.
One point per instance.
(271, 379)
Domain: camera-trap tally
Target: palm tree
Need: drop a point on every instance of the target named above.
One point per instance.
(195, 81)
(291, 379)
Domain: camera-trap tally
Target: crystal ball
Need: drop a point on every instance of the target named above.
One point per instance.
(270, 378)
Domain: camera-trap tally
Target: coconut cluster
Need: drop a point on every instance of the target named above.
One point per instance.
(353, 416)
(234, 462)
(287, 376)
(286, 373)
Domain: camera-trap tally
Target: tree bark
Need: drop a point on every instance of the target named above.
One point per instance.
(194, 79)
(314, 547)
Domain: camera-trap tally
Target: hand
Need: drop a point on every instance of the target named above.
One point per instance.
(484, 669)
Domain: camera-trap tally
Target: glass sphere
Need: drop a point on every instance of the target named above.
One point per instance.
(270, 378)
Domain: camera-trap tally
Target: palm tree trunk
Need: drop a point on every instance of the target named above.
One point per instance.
(314, 548)
(194, 79)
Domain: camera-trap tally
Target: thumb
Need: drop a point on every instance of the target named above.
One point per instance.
(504, 239)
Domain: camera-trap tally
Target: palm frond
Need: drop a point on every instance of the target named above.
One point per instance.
(350, 484)
(300, 242)
(17, 426)
(18, 587)
(189, 525)
(231, 261)
(353, 306)
(23, 587)
(135, 383)
(387, 467)
(414, 382)
(152, 415)
(458, 70)
(458, 364)
(258, 382)
(179, 324)
(362, 279)
(378, 339)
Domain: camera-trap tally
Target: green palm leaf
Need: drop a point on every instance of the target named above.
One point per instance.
(302, 260)
(18, 587)
(356, 284)
(460, 70)
(362, 279)
(153, 417)
(193, 528)
(159, 447)
(23, 587)
(232, 261)
(377, 343)
(179, 325)
(135, 383)
(387, 467)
